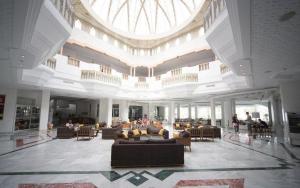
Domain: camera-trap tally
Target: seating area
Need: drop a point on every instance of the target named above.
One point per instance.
(147, 153)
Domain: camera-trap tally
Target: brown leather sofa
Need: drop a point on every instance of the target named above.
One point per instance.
(110, 133)
(65, 132)
(147, 153)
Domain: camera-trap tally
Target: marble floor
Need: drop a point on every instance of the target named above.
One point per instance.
(234, 161)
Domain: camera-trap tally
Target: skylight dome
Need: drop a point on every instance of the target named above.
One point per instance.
(145, 17)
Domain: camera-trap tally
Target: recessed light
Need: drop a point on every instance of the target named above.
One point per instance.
(241, 65)
(22, 56)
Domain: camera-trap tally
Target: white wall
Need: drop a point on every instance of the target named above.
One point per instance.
(290, 93)
(8, 123)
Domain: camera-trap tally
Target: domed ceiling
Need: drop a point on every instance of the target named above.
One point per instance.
(146, 17)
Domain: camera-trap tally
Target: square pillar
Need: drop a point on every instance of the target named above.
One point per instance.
(105, 111)
(44, 117)
(213, 112)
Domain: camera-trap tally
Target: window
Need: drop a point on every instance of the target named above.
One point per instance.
(184, 112)
(142, 79)
(203, 66)
(176, 72)
(105, 69)
(73, 61)
(125, 76)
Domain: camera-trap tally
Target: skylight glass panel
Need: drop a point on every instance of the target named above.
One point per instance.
(145, 17)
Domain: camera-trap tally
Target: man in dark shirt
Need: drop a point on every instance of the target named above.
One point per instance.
(262, 123)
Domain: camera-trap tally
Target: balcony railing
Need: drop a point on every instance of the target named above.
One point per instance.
(66, 10)
(141, 85)
(182, 78)
(97, 75)
(213, 11)
(51, 63)
(224, 69)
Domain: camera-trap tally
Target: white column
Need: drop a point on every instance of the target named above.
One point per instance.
(149, 71)
(151, 111)
(178, 111)
(7, 124)
(152, 71)
(190, 111)
(196, 111)
(130, 71)
(213, 113)
(44, 109)
(134, 71)
(277, 126)
(171, 112)
(229, 110)
(105, 112)
(124, 108)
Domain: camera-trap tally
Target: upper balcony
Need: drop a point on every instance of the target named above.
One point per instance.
(67, 73)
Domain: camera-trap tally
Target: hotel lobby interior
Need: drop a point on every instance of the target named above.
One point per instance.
(149, 93)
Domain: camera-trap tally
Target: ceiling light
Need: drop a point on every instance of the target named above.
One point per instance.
(22, 56)
(241, 65)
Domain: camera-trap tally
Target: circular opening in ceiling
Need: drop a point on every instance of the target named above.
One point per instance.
(145, 17)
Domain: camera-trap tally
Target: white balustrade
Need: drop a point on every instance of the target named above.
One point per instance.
(65, 8)
(182, 78)
(213, 11)
(224, 69)
(141, 85)
(97, 75)
(51, 63)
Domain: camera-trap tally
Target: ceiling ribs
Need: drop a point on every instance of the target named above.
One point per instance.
(109, 7)
(186, 6)
(175, 19)
(163, 10)
(118, 11)
(138, 16)
(146, 15)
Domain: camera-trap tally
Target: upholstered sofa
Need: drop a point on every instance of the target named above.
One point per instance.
(65, 132)
(110, 133)
(151, 131)
(147, 153)
(86, 131)
(205, 132)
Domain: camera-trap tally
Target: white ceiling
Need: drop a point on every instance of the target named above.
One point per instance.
(275, 45)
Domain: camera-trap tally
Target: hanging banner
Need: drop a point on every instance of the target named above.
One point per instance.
(2, 102)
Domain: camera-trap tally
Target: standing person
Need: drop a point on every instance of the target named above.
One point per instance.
(248, 123)
(235, 123)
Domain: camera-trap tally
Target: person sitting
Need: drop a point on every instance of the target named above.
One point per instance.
(235, 123)
(69, 124)
(263, 124)
(145, 120)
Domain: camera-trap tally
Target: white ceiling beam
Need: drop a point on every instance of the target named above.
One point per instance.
(118, 11)
(109, 7)
(146, 15)
(186, 6)
(165, 13)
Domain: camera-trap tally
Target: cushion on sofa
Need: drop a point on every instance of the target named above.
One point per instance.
(136, 132)
(175, 134)
(153, 130)
(161, 132)
(144, 132)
